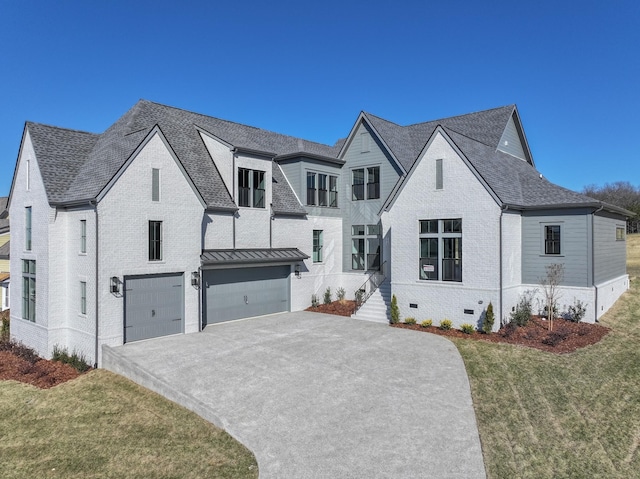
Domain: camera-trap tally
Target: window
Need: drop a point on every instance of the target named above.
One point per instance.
(333, 191)
(322, 190)
(83, 297)
(155, 240)
(620, 233)
(28, 175)
(373, 183)
(155, 184)
(441, 250)
(357, 183)
(365, 245)
(438, 174)
(251, 188)
(83, 236)
(317, 246)
(29, 290)
(27, 228)
(311, 188)
(552, 239)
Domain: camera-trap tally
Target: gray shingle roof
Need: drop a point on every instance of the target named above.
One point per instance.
(4, 223)
(5, 250)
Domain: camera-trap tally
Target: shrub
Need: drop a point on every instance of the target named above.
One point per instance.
(340, 292)
(489, 319)
(446, 324)
(327, 295)
(359, 296)
(314, 301)
(20, 350)
(467, 328)
(75, 360)
(576, 311)
(427, 323)
(522, 313)
(410, 320)
(4, 330)
(395, 311)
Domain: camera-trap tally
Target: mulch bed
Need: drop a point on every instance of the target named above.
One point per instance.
(42, 373)
(341, 308)
(566, 336)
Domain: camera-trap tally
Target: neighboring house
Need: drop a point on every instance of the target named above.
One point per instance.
(171, 221)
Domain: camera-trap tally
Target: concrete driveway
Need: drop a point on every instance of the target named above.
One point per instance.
(321, 396)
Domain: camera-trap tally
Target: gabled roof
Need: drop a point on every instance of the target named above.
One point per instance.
(77, 166)
(4, 223)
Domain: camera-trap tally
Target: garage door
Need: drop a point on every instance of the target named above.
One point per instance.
(245, 292)
(153, 306)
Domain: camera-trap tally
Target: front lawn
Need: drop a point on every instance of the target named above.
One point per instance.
(103, 425)
(541, 415)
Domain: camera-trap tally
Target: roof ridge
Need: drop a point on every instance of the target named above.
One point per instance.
(448, 128)
(512, 105)
(74, 130)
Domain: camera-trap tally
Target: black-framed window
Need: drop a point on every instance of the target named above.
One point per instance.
(29, 290)
(311, 188)
(322, 189)
(440, 252)
(317, 246)
(27, 228)
(251, 188)
(155, 240)
(365, 247)
(373, 182)
(83, 236)
(552, 239)
(333, 191)
(357, 184)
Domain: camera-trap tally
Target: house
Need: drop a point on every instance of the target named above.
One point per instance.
(4, 256)
(171, 221)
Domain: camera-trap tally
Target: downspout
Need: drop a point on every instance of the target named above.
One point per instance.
(271, 218)
(502, 210)
(97, 276)
(593, 261)
(234, 177)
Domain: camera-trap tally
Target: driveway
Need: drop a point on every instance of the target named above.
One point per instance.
(321, 396)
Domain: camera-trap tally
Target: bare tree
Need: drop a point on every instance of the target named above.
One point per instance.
(622, 194)
(550, 285)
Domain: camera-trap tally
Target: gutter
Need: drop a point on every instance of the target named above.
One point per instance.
(95, 209)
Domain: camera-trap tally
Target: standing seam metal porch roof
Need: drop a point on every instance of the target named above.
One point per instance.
(219, 257)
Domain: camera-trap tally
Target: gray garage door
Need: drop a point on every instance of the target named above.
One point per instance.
(153, 306)
(245, 292)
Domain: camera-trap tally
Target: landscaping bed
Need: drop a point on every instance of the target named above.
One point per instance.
(566, 337)
(341, 308)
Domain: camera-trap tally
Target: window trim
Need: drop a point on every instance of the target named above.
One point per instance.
(155, 185)
(83, 298)
(155, 243)
(311, 188)
(250, 195)
(317, 246)
(357, 189)
(29, 288)
(362, 236)
(439, 174)
(83, 236)
(446, 230)
(28, 228)
(373, 186)
(547, 243)
(623, 233)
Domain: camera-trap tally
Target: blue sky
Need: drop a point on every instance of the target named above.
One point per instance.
(308, 68)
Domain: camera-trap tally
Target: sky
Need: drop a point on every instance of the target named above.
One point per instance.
(307, 69)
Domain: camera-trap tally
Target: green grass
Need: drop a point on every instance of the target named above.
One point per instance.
(102, 425)
(574, 416)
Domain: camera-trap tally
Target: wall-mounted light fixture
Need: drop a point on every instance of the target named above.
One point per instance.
(297, 271)
(114, 285)
(195, 279)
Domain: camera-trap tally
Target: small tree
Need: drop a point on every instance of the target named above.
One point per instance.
(327, 295)
(395, 310)
(489, 318)
(550, 285)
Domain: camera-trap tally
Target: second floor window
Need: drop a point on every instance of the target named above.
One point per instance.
(369, 190)
(83, 236)
(155, 240)
(322, 189)
(251, 188)
(27, 228)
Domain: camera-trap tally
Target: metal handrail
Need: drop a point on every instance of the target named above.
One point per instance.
(370, 286)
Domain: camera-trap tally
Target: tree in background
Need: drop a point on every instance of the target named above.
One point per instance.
(622, 194)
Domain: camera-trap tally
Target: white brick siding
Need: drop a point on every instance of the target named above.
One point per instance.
(463, 196)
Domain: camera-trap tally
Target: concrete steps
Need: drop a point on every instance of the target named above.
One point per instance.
(377, 307)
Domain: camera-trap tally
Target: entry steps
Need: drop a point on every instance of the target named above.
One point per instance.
(378, 307)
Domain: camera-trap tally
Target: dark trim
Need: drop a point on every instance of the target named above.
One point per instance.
(267, 154)
(310, 156)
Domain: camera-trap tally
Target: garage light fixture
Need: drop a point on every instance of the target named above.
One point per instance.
(195, 279)
(297, 270)
(115, 285)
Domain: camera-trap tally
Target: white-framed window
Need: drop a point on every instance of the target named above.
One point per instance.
(27, 228)
(621, 233)
(552, 244)
(83, 297)
(317, 246)
(155, 184)
(29, 290)
(155, 240)
(83, 236)
(365, 247)
(251, 188)
(440, 250)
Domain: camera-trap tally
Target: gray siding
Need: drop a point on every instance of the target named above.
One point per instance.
(363, 212)
(514, 141)
(575, 252)
(609, 255)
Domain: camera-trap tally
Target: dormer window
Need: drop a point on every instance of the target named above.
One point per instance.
(251, 188)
